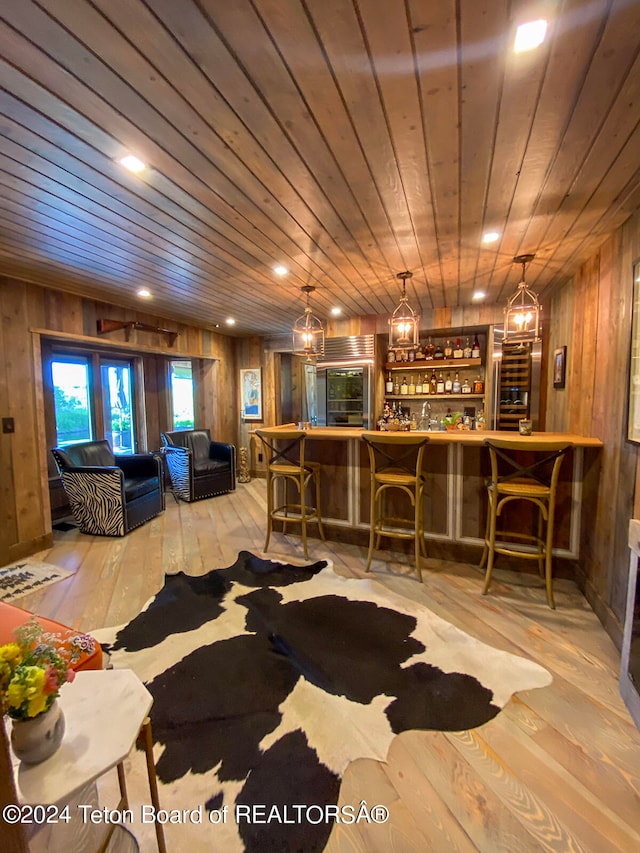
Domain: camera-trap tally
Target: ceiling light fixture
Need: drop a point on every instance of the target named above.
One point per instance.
(280, 270)
(132, 163)
(522, 313)
(491, 237)
(230, 321)
(478, 295)
(336, 311)
(143, 293)
(530, 35)
(308, 331)
(404, 322)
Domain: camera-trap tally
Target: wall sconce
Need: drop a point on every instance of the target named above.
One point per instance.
(308, 331)
(522, 314)
(404, 322)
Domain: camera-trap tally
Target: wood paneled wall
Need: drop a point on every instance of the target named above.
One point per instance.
(25, 513)
(591, 316)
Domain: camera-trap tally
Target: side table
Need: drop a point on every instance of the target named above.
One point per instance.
(105, 712)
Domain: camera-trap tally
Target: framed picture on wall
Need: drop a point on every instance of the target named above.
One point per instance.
(633, 425)
(251, 394)
(559, 367)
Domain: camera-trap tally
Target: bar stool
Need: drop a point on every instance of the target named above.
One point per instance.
(286, 463)
(536, 483)
(395, 462)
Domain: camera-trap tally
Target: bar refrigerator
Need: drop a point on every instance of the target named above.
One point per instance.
(344, 383)
(516, 382)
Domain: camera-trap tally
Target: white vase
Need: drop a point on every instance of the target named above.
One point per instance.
(37, 738)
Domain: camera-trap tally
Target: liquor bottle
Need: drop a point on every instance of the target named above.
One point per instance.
(396, 387)
(466, 352)
(448, 349)
(448, 384)
(389, 384)
(475, 351)
(429, 350)
(412, 355)
(457, 387)
(466, 387)
(412, 386)
(457, 353)
(391, 356)
(438, 354)
(420, 353)
(418, 385)
(440, 385)
(433, 383)
(404, 388)
(478, 386)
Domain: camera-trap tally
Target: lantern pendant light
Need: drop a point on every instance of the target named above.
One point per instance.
(404, 322)
(522, 313)
(308, 332)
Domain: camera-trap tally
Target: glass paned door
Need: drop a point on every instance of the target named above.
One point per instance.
(117, 405)
(71, 390)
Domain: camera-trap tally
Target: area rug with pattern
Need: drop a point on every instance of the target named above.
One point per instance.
(268, 679)
(24, 576)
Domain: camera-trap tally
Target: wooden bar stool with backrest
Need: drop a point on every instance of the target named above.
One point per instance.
(537, 483)
(286, 463)
(395, 463)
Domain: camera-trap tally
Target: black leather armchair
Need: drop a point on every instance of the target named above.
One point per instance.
(110, 495)
(198, 467)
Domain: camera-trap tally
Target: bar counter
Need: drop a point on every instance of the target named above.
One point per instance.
(457, 467)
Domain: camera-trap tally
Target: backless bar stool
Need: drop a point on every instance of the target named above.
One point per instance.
(395, 463)
(286, 464)
(536, 483)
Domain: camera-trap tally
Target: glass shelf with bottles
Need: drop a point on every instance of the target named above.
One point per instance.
(445, 352)
(432, 386)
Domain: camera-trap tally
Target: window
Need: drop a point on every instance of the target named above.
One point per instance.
(71, 385)
(93, 397)
(181, 382)
(117, 405)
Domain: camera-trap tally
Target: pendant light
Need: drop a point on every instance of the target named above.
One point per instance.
(522, 313)
(308, 332)
(404, 322)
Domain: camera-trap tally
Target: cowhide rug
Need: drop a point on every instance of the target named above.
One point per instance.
(268, 679)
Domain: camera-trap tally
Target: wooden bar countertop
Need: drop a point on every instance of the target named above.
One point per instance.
(456, 436)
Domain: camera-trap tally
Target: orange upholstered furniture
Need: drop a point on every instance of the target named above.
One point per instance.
(11, 617)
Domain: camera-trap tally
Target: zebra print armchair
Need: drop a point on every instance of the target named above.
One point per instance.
(110, 495)
(198, 467)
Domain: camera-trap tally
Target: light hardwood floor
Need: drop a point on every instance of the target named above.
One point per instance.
(557, 769)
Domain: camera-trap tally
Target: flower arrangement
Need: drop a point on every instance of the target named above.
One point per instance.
(34, 668)
(452, 420)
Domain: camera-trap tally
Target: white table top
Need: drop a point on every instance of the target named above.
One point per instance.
(103, 710)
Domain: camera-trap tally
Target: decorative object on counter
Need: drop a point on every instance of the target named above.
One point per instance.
(243, 466)
(559, 367)
(32, 671)
(453, 420)
(404, 322)
(522, 312)
(308, 331)
(524, 426)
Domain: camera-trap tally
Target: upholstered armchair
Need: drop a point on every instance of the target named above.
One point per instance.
(198, 467)
(110, 495)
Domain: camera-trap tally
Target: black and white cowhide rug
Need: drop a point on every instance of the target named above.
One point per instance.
(268, 679)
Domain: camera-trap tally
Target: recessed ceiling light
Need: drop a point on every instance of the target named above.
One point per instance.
(530, 36)
(144, 293)
(230, 321)
(490, 237)
(478, 295)
(336, 311)
(280, 270)
(132, 163)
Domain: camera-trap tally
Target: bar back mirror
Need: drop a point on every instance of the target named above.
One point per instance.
(634, 364)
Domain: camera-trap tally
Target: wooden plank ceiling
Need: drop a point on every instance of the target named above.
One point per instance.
(345, 139)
